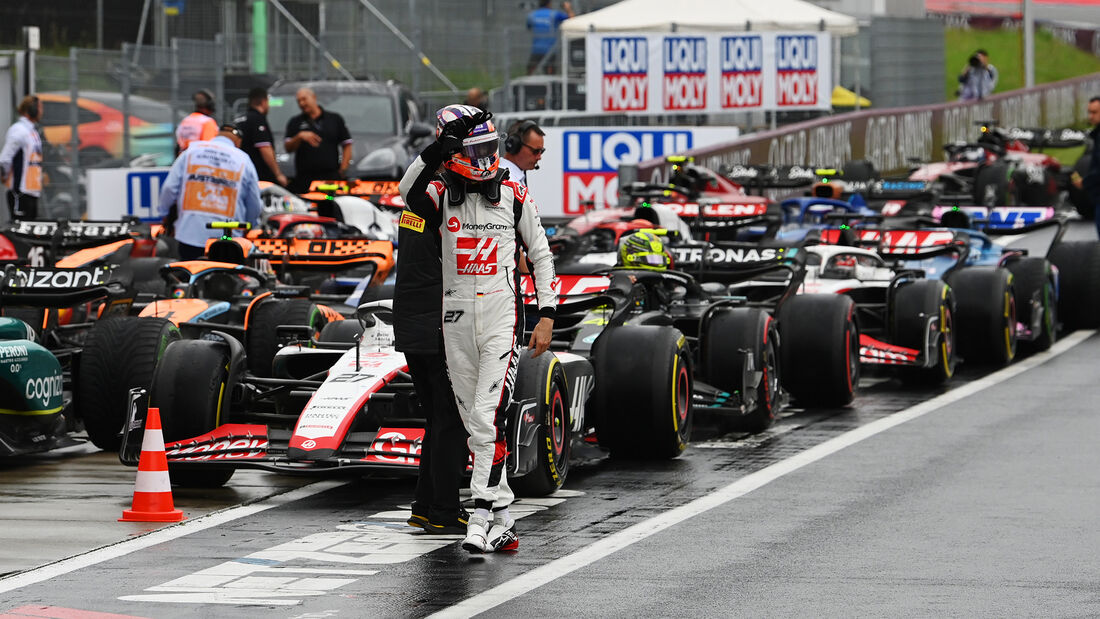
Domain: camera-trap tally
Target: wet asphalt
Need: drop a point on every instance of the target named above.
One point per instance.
(985, 506)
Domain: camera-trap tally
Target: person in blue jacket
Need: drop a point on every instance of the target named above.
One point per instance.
(543, 23)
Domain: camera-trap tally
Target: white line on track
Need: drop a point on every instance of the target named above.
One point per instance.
(106, 553)
(615, 542)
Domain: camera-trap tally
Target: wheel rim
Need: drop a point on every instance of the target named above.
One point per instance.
(852, 351)
(557, 425)
(947, 343)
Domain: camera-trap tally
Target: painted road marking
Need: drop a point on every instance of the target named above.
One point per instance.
(615, 542)
(287, 574)
(187, 527)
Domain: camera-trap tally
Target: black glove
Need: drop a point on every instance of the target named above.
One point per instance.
(450, 139)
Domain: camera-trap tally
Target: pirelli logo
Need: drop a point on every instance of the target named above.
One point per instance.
(412, 221)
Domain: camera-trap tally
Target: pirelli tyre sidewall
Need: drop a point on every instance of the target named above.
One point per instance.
(262, 339)
(914, 304)
(120, 354)
(191, 387)
(1078, 264)
(642, 398)
(1036, 292)
(545, 441)
(985, 314)
(730, 334)
(820, 349)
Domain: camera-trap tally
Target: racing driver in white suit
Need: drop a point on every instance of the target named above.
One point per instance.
(484, 222)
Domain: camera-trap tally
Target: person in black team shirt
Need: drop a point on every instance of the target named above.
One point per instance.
(418, 316)
(316, 137)
(256, 138)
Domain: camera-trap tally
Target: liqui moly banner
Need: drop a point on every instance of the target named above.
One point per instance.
(581, 166)
(662, 73)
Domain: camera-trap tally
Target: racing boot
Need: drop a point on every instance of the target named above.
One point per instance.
(502, 535)
(477, 540)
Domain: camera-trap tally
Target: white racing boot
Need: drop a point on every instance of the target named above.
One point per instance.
(477, 539)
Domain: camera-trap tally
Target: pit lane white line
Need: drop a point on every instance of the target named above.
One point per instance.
(554, 570)
(106, 553)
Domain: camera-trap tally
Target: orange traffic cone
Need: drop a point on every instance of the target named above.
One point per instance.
(153, 488)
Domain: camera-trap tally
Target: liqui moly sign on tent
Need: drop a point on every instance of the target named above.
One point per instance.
(651, 73)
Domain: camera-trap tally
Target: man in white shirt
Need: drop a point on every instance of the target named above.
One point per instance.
(21, 161)
(523, 149)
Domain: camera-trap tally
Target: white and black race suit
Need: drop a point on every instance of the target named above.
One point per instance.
(482, 312)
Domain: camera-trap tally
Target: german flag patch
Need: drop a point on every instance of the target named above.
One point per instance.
(412, 221)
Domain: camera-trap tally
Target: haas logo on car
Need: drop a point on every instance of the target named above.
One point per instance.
(45, 389)
(625, 67)
(685, 67)
(453, 224)
(742, 61)
(908, 242)
(476, 256)
(796, 65)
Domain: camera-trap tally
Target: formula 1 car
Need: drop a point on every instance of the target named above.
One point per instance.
(82, 354)
(340, 402)
(44, 242)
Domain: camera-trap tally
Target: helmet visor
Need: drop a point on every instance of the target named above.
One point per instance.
(481, 147)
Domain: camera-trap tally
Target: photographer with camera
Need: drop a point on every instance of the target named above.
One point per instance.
(978, 78)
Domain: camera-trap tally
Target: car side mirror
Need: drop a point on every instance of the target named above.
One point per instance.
(419, 131)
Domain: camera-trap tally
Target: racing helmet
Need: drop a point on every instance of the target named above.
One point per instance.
(644, 250)
(480, 155)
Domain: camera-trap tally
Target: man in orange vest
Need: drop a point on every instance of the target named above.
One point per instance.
(198, 125)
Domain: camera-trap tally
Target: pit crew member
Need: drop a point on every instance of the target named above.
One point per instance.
(210, 181)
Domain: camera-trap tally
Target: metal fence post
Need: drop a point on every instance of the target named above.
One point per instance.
(74, 139)
(219, 74)
(125, 60)
(175, 85)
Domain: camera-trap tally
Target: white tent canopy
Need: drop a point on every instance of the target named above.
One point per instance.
(710, 16)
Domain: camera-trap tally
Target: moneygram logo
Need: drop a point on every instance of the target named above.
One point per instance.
(684, 60)
(741, 59)
(796, 77)
(453, 225)
(625, 66)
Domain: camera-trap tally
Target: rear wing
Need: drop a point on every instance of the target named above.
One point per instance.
(45, 241)
(383, 193)
(711, 215)
(918, 244)
(570, 288)
(1047, 138)
(771, 176)
(52, 287)
(323, 254)
(732, 261)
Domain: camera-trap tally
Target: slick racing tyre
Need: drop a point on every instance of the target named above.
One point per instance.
(119, 354)
(985, 314)
(1078, 265)
(642, 398)
(739, 354)
(190, 387)
(262, 339)
(544, 382)
(341, 332)
(914, 305)
(993, 186)
(819, 349)
(1035, 293)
